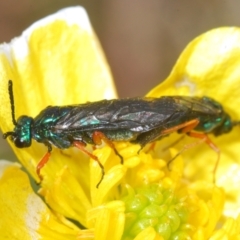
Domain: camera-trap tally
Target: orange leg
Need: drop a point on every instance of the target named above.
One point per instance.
(41, 164)
(151, 148)
(97, 139)
(184, 127)
(205, 138)
(187, 127)
(173, 143)
(82, 147)
(186, 147)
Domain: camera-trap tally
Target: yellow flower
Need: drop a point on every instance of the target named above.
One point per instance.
(58, 61)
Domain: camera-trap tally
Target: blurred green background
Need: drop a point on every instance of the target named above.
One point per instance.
(141, 38)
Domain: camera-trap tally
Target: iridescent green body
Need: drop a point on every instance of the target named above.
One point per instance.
(139, 120)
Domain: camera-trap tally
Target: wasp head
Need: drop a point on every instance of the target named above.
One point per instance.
(21, 135)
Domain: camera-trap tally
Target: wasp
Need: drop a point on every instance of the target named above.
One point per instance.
(136, 120)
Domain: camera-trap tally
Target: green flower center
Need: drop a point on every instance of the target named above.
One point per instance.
(154, 206)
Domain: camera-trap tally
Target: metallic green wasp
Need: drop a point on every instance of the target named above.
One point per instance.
(137, 120)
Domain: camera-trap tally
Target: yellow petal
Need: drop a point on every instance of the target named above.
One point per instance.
(67, 196)
(148, 233)
(230, 230)
(56, 61)
(209, 66)
(108, 220)
(23, 214)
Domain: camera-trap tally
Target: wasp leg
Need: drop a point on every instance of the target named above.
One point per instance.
(151, 148)
(173, 143)
(186, 147)
(184, 127)
(158, 133)
(148, 137)
(208, 141)
(82, 147)
(187, 127)
(205, 139)
(97, 139)
(44, 160)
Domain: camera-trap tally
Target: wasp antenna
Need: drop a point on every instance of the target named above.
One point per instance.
(10, 91)
(5, 135)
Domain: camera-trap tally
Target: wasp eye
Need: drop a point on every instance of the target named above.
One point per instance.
(21, 142)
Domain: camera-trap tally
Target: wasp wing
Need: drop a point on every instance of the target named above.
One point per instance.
(135, 114)
(139, 119)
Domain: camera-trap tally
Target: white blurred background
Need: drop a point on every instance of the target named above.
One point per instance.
(141, 39)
